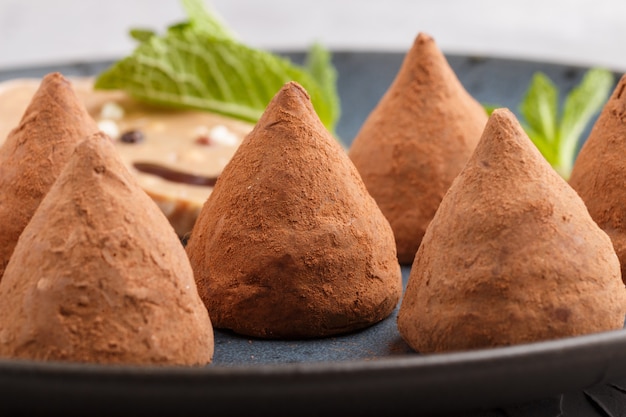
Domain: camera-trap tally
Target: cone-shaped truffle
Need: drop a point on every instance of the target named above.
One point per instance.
(416, 141)
(599, 173)
(99, 275)
(512, 256)
(35, 153)
(290, 244)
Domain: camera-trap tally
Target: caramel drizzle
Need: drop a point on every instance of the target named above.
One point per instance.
(174, 175)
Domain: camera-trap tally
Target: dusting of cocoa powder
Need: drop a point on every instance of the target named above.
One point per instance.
(512, 256)
(99, 275)
(415, 142)
(34, 154)
(599, 173)
(290, 244)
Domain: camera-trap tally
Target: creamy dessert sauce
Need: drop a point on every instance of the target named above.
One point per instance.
(175, 154)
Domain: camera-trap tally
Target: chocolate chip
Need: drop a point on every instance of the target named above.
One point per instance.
(185, 238)
(132, 136)
(175, 176)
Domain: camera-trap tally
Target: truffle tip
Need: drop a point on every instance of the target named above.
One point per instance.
(292, 99)
(54, 78)
(94, 140)
(502, 117)
(423, 37)
(502, 112)
(293, 87)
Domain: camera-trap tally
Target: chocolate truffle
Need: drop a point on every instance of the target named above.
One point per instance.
(34, 154)
(512, 256)
(599, 173)
(290, 244)
(415, 142)
(98, 275)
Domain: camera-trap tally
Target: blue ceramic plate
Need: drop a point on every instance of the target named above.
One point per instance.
(370, 372)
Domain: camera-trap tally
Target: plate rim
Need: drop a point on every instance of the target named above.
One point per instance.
(328, 387)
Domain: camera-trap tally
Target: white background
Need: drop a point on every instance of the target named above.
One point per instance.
(575, 31)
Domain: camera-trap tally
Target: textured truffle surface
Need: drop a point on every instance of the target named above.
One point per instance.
(290, 244)
(512, 256)
(599, 173)
(415, 142)
(99, 275)
(34, 154)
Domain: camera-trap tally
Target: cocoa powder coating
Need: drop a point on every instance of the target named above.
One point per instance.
(99, 275)
(599, 172)
(415, 142)
(34, 154)
(512, 256)
(290, 244)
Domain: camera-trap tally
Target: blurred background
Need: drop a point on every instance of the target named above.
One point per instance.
(579, 32)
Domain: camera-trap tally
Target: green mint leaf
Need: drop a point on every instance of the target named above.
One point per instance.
(205, 19)
(199, 64)
(546, 147)
(581, 104)
(178, 27)
(187, 68)
(318, 63)
(539, 107)
(557, 138)
(141, 35)
(489, 108)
